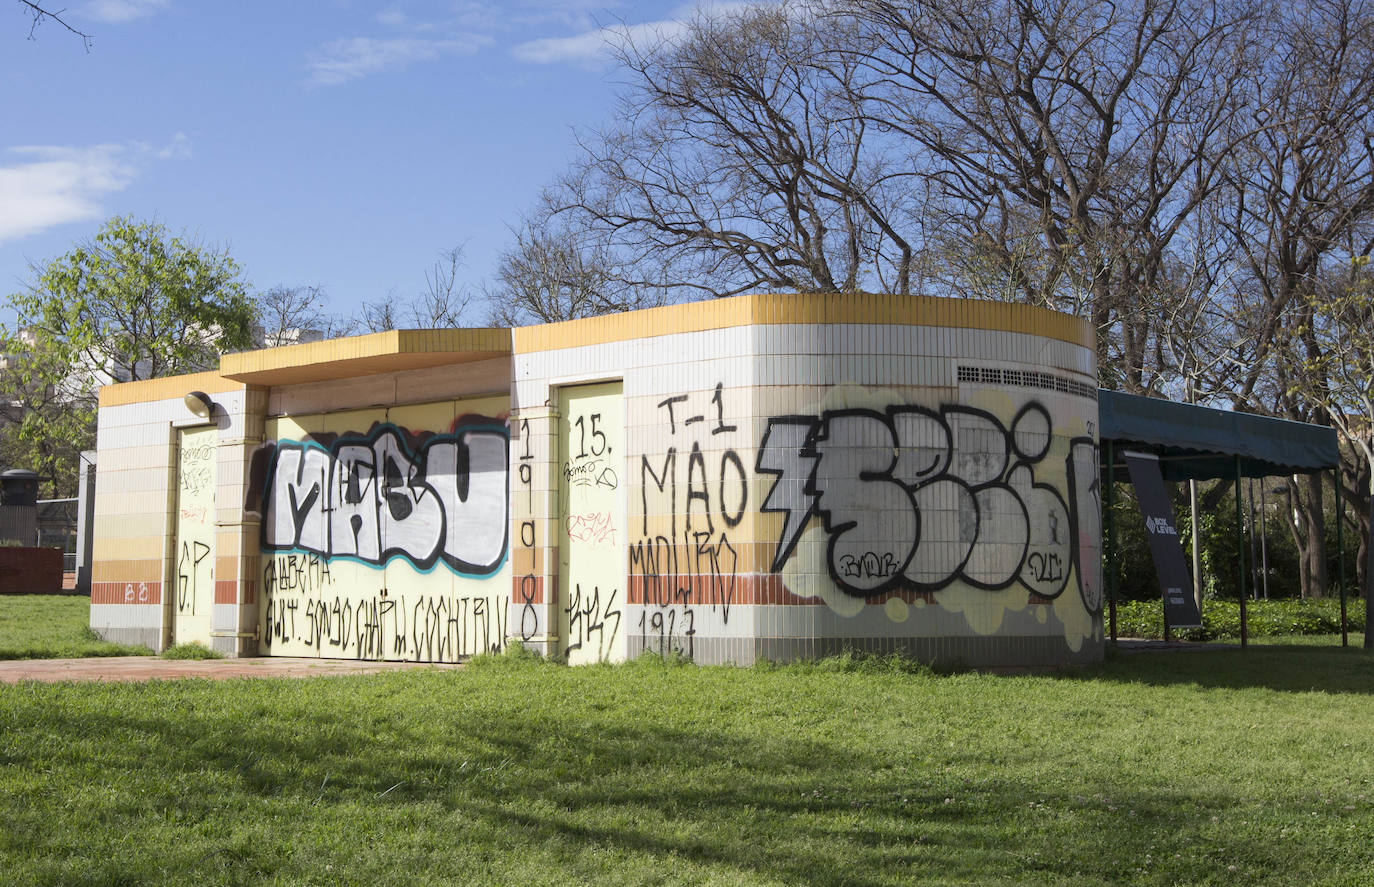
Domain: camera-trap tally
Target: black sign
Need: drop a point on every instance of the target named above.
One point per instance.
(1180, 608)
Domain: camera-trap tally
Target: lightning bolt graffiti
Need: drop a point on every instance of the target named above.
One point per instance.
(783, 453)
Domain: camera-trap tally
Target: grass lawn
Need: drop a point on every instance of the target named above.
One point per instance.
(1355, 639)
(1208, 767)
(51, 626)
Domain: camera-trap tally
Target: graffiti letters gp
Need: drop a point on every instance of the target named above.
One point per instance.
(369, 497)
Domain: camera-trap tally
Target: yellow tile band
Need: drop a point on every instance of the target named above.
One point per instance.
(809, 308)
(166, 388)
(364, 355)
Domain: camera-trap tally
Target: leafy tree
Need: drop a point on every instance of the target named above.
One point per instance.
(441, 304)
(133, 302)
(1338, 372)
(45, 420)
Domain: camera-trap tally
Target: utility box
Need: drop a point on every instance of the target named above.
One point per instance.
(19, 506)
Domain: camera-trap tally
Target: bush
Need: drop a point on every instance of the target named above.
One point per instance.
(1221, 619)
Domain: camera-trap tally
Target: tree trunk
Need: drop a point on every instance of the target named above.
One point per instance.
(1314, 572)
(1368, 583)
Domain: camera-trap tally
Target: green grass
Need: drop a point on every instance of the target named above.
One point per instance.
(1200, 768)
(48, 626)
(1354, 639)
(191, 650)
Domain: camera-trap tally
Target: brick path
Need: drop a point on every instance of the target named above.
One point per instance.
(143, 668)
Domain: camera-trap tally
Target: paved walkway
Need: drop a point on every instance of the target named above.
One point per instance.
(143, 668)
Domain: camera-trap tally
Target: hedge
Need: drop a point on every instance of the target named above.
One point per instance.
(1221, 619)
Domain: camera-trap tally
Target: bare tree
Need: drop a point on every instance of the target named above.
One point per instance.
(287, 315)
(38, 14)
(744, 163)
(1070, 142)
(386, 314)
(444, 299)
(441, 304)
(553, 272)
(1298, 202)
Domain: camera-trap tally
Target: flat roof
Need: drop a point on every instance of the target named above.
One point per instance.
(367, 355)
(806, 308)
(1197, 442)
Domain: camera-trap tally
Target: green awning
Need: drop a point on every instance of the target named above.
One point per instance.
(1202, 442)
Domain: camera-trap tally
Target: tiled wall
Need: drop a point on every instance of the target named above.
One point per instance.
(133, 550)
(791, 476)
(797, 488)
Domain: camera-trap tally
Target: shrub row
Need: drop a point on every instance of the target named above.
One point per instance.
(1221, 619)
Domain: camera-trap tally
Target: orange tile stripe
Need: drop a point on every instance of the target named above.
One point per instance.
(126, 593)
(226, 591)
(527, 589)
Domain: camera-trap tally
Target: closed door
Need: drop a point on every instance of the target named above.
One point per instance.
(591, 550)
(193, 564)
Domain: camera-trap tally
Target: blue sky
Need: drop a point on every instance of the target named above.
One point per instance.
(344, 144)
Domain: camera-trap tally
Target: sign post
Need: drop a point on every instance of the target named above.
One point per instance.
(1180, 607)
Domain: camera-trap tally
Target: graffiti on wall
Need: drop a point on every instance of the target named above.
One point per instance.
(428, 498)
(915, 498)
(592, 514)
(386, 544)
(527, 584)
(193, 561)
(307, 611)
(693, 497)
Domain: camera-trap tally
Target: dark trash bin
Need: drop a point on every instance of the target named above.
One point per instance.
(19, 486)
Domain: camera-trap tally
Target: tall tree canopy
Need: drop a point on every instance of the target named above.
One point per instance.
(133, 302)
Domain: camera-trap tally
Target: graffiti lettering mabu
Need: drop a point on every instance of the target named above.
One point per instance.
(920, 498)
(376, 496)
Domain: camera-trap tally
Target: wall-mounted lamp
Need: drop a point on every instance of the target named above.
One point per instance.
(200, 404)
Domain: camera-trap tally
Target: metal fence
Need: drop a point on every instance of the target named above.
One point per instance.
(57, 528)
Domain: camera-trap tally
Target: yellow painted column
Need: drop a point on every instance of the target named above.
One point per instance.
(193, 553)
(591, 548)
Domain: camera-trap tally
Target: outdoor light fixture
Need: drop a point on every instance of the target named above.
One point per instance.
(200, 404)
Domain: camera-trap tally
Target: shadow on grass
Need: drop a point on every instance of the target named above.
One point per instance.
(562, 772)
(1295, 668)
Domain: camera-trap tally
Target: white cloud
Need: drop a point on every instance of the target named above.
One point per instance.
(392, 17)
(344, 60)
(593, 47)
(179, 147)
(53, 186)
(122, 10)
